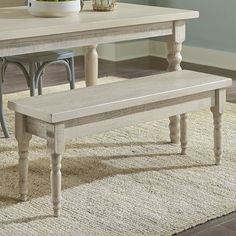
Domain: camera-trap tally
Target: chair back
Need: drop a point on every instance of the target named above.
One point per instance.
(11, 3)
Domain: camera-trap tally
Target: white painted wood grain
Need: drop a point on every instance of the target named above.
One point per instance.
(18, 23)
(119, 95)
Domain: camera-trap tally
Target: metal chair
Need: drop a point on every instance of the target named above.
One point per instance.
(37, 63)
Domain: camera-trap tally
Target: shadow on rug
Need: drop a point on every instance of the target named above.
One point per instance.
(130, 181)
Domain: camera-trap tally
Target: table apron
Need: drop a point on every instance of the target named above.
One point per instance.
(86, 38)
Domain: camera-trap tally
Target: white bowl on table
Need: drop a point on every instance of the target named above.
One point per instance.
(54, 9)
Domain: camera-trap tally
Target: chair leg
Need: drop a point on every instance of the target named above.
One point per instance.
(32, 78)
(2, 119)
(71, 78)
(40, 86)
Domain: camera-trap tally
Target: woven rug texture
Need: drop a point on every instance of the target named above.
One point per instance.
(129, 181)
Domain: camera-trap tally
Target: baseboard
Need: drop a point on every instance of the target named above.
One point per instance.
(120, 51)
(141, 48)
(124, 51)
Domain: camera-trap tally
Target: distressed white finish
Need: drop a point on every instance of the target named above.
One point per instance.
(114, 96)
(17, 23)
(100, 108)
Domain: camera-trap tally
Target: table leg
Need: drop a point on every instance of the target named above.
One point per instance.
(91, 65)
(174, 58)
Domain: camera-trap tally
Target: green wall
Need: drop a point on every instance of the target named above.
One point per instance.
(146, 2)
(216, 27)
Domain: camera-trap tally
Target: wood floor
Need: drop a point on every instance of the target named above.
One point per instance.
(15, 82)
(223, 226)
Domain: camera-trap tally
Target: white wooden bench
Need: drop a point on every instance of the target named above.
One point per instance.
(65, 115)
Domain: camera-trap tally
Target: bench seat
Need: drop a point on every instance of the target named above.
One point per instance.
(62, 106)
(65, 115)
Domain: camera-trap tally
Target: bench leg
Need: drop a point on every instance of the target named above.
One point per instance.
(91, 65)
(217, 111)
(56, 183)
(217, 136)
(183, 133)
(55, 144)
(23, 140)
(174, 127)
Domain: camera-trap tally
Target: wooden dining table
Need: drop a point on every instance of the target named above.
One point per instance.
(21, 33)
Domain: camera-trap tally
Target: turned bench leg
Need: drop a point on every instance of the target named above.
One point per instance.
(56, 146)
(217, 117)
(183, 133)
(174, 127)
(217, 111)
(56, 183)
(23, 140)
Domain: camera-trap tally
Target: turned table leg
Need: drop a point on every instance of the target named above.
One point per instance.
(23, 140)
(55, 145)
(217, 112)
(174, 46)
(91, 65)
(183, 133)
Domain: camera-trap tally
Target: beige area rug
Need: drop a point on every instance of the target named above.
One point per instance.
(130, 181)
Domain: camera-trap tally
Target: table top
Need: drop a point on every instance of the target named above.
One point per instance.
(17, 23)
